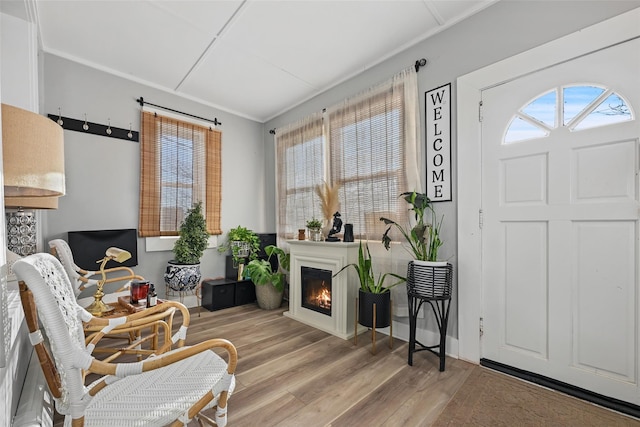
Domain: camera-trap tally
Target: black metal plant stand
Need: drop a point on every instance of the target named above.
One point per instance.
(431, 284)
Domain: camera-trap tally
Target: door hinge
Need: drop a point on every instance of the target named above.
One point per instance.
(480, 218)
(480, 111)
(481, 327)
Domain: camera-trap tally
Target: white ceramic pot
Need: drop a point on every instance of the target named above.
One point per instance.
(430, 263)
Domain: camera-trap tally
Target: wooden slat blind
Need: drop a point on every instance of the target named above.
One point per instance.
(367, 158)
(368, 145)
(300, 168)
(180, 164)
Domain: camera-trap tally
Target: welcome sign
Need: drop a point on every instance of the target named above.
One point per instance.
(438, 140)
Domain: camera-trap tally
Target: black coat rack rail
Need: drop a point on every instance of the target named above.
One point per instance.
(95, 128)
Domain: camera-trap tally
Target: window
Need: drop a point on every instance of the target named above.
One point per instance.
(300, 168)
(366, 144)
(367, 159)
(583, 107)
(180, 165)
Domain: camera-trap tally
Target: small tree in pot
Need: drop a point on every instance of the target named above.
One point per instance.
(183, 272)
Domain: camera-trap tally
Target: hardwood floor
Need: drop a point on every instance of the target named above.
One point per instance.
(290, 374)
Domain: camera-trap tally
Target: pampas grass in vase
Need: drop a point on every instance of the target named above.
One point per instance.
(329, 203)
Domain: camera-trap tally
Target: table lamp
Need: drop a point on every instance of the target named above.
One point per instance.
(33, 171)
(97, 307)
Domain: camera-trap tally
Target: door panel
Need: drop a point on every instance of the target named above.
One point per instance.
(560, 234)
(525, 319)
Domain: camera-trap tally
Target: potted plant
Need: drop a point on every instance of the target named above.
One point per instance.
(244, 245)
(269, 283)
(315, 229)
(183, 272)
(372, 290)
(424, 237)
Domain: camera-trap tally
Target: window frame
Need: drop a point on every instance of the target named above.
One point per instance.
(151, 165)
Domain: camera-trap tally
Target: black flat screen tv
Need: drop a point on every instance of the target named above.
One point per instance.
(89, 246)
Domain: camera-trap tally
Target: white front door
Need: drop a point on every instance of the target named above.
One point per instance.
(560, 255)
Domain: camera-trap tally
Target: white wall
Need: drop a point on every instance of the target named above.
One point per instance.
(19, 87)
(102, 174)
(500, 31)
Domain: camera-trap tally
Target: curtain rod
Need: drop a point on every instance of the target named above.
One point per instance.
(141, 101)
(419, 63)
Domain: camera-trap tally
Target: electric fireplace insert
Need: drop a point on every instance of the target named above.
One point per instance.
(316, 289)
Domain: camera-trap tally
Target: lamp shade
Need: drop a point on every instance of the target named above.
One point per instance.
(31, 202)
(33, 155)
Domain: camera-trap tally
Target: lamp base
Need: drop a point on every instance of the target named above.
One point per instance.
(99, 309)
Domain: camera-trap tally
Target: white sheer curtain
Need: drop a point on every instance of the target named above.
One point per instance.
(300, 168)
(373, 152)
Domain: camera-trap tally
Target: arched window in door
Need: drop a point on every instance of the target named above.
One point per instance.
(575, 107)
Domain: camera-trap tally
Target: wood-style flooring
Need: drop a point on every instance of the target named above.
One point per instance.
(291, 374)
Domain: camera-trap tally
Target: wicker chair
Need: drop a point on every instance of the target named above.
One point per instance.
(81, 278)
(168, 389)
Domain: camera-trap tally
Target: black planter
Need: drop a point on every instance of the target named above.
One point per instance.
(365, 309)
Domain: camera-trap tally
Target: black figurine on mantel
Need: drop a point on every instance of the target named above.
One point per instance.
(337, 226)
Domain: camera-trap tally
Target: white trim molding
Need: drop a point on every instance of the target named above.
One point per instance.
(607, 33)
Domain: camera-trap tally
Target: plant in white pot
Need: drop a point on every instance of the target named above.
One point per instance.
(183, 272)
(315, 229)
(244, 245)
(269, 284)
(423, 237)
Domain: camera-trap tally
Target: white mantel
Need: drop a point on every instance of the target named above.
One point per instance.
(331, 256)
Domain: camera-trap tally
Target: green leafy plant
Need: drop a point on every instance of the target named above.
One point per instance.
(364, 268)
(241, 234)
(261, 273)
(314, 223)
(423, 238)
(194, 238)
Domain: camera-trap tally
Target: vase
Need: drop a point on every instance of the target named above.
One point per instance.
(326, 229)
(348, 232)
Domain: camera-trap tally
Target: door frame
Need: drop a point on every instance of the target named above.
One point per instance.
(469, 91)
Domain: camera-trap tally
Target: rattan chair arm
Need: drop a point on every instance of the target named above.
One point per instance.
(134, 319)
(107, 368)
(139, 318)
(94, 335)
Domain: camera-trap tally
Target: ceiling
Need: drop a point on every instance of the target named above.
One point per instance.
(253, 58)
